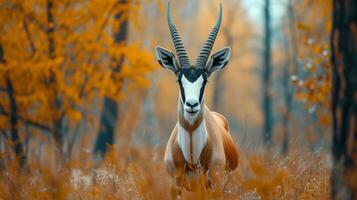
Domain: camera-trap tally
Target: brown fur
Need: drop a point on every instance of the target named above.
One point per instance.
(219, 150)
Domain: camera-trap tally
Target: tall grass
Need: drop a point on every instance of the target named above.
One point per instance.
(139, 173)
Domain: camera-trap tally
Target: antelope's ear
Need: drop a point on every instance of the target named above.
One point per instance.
(218, 60)
(167, 59)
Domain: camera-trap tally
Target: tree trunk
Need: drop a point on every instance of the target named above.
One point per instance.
(110, 112)
(290, 68)
(266, 78)
(344, 99)
(288, 107)
(57, 122)
(287, 95)
(13, 118)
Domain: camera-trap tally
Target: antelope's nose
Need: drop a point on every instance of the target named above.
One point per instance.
(191, 103)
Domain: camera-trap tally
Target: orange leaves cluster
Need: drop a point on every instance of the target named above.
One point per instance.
(84, 56)
(314, 82)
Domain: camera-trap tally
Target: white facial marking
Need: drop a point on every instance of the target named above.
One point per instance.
(192, 90)
(199, 140)
(192, 94)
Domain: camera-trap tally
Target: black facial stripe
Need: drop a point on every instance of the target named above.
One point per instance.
(182, 92)
(201, 91)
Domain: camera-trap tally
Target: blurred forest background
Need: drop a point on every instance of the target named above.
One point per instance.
(86, 110)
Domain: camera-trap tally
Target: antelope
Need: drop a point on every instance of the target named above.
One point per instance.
(201, 139)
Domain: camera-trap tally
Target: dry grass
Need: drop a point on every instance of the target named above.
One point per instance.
(140, 174)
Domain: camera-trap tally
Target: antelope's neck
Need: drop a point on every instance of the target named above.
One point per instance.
(192, 136)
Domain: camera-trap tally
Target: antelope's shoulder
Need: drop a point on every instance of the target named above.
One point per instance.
(221, 120)
(173, 155)
(230, 149)
(168, 158)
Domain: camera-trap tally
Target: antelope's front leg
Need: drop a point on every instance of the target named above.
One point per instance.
(177, 182)
(217, 178)
(226, 180)
(176, 187)
(176, 192)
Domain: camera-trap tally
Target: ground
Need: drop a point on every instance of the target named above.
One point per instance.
(139, 173)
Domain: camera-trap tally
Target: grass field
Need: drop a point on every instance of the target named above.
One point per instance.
(139, 173)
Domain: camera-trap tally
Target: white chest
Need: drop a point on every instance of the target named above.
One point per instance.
(192, 146)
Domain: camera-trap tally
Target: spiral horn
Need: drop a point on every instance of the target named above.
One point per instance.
(180, 50)
(207, 46)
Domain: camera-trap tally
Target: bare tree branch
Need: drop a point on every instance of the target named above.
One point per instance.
(29, 37)
(27, 121)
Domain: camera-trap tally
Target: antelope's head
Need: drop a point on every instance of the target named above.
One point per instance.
(192, 79)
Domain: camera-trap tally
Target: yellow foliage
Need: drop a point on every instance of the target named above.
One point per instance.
(53, 84)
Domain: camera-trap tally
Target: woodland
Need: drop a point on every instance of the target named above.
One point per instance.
(86, 110)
